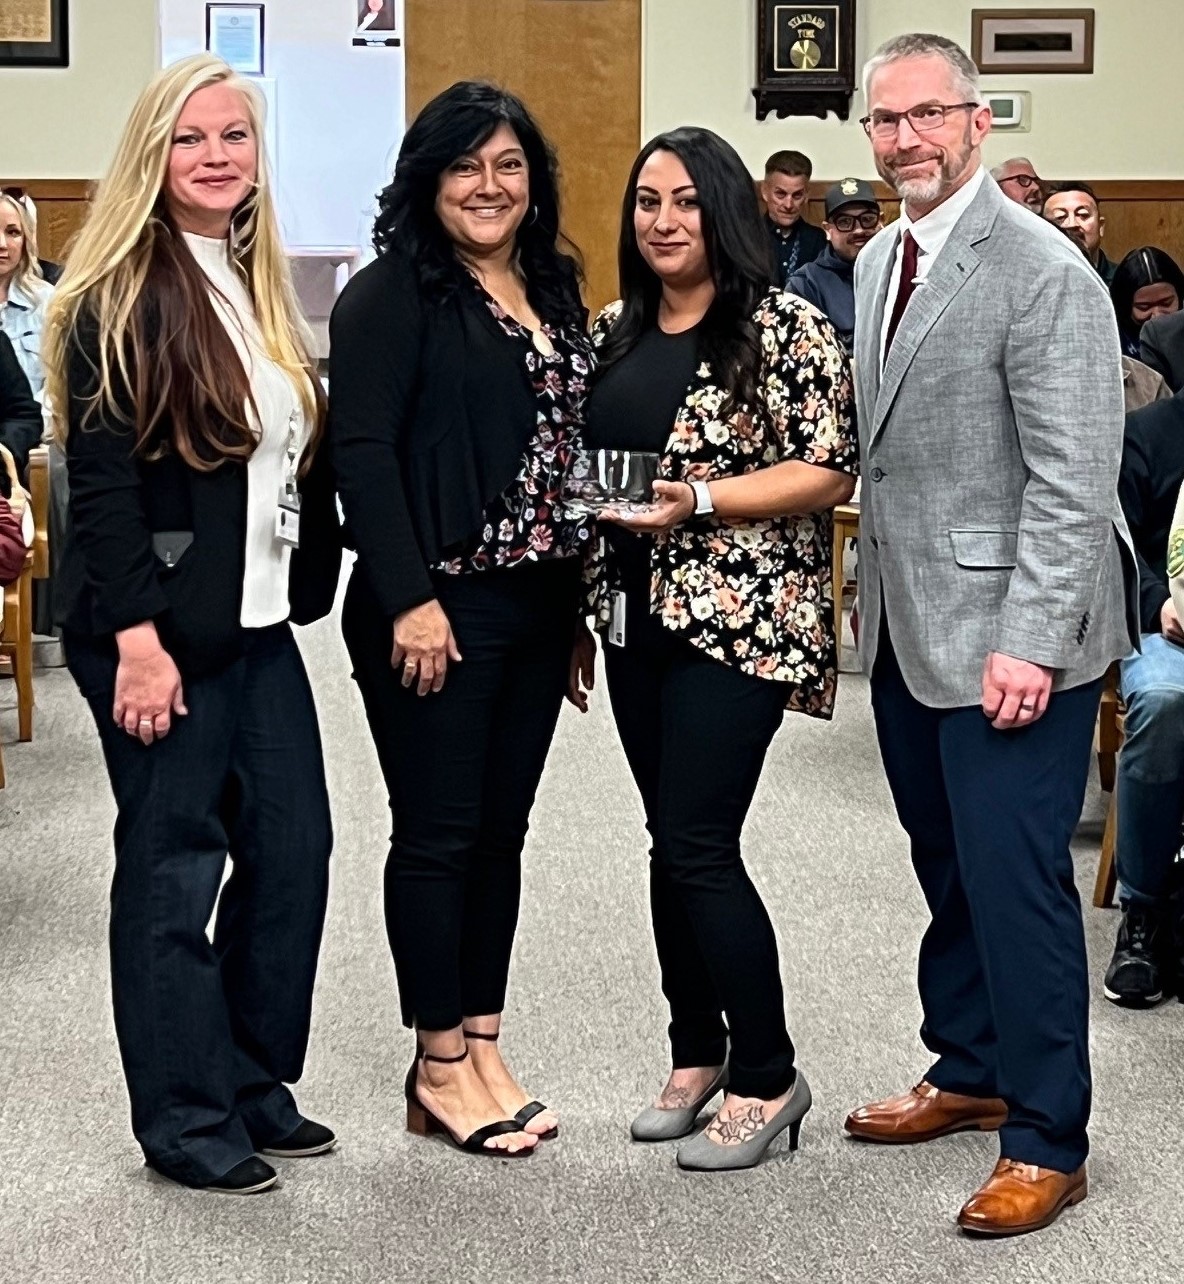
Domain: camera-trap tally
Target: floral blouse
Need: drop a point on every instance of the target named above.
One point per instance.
(757, 594)
(528, 521)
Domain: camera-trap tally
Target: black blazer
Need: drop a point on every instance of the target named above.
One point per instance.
(430, 410)
(1161, 346)
(20, 415)
(162, 541)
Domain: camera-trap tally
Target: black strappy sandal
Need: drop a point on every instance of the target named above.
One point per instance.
(528, 1111)
(423, 1123)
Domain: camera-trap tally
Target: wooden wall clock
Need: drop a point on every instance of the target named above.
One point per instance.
(805, 59)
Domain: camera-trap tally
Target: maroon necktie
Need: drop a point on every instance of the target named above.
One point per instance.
(904, 292)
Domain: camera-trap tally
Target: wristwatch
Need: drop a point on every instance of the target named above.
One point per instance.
(703, 504)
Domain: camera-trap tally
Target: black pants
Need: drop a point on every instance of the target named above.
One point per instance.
(209, 1034)
(696, 732)
(1002, 972)
(462, 767)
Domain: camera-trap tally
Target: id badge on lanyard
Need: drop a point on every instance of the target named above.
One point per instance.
(287, 513)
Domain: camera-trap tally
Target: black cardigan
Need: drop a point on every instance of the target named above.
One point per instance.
(189, 578)
(1148, 483)
(430, 410)
(20, 415)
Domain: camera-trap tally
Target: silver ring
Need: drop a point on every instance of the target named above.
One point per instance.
(147, 722)
(1025, 705)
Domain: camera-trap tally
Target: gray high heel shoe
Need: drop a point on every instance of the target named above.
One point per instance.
(701, 1154)
(656, 1124)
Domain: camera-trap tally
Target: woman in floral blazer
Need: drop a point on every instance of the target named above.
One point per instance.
(716, 605)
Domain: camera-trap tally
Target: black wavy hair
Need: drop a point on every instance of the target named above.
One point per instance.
(1145, 266)
(738, 253)
(457, 123)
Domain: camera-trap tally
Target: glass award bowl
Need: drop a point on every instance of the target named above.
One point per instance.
(622, 480)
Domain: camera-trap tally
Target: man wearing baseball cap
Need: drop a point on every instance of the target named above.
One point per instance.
(853, 217)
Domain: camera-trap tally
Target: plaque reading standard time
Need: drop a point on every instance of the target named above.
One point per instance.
(805, 58)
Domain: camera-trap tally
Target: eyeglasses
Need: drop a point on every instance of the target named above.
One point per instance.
(869, 220)
(1024, 180)
(924, 118)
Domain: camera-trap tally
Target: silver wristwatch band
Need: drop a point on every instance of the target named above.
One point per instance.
(703, 504)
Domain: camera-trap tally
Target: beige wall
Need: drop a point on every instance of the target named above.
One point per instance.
(700, 64)
(64, 123)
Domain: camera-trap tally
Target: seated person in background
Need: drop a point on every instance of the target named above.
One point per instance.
(20, 415)
(52, 272)
(1147, 283)
(1150, 779)
(1073, 207)
(1161, 346)
(853, 217)
(785, 189)
(24, 292)
(1019, 182)
(13, 536)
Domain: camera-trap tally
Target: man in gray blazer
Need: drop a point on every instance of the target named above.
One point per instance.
(996, 587)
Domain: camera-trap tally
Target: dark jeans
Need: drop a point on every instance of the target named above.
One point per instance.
(462, 767)
(696, 732)
(1002, 972)
(209, 1034)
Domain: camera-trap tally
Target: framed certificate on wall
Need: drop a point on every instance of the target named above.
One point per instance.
(34, 33)
(235, 33)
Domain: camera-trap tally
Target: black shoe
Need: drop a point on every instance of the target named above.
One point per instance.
(309, 1139)
(248, 1178)
(1134, 978)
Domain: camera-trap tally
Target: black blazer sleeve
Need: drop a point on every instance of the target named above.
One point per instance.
(110, 531)
(20, 415)
(1161, 346)
(374, 347)
(316, 564)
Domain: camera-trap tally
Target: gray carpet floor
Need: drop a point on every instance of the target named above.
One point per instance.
(585, 1032)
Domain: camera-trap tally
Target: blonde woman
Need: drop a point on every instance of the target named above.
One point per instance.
(24, 291)
(201, 522)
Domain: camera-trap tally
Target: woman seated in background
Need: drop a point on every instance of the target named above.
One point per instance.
(14, 535)
(201, 521)
(458, 367)
(24, 292)
(1147, 283)
(20, 415)
(717, 606)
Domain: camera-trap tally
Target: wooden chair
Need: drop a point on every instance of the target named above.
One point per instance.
(16, 638)
(846, 524)
(1107, 742)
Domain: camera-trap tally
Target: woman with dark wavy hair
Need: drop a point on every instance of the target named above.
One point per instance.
(1147, 283)
(457, 376)
(717, 605)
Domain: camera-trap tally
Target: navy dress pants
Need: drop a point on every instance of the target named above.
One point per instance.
(210, 1033)
(1002, 974)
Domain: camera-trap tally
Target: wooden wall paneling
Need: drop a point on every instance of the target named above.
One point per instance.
(577, 66)
(62, 207)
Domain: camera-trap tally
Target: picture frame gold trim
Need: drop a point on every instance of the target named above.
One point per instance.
(987, 25)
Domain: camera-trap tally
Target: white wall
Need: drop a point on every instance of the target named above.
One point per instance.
(65, 122)
(699, 66)
(339, 112)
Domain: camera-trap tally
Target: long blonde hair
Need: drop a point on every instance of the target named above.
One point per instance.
(28, 276)
(130, 271)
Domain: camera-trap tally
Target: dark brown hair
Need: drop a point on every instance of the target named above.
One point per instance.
(791, 164)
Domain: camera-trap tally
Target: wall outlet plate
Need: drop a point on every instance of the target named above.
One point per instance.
(1011, 110)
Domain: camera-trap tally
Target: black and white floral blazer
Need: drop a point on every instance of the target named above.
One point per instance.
(757, 594)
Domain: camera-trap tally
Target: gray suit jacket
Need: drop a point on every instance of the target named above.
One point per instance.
(1161, 346)
(990, 446)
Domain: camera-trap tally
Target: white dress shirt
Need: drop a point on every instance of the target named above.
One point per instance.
(931, 231)
(265, 580)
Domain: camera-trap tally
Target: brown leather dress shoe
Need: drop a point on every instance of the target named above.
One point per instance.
(1018, 1198)
(922, 1113)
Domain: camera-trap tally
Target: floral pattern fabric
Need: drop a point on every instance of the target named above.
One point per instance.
(756, 594)
(528, 521)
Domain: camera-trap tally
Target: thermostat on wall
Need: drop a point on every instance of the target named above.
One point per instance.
(1011, 111)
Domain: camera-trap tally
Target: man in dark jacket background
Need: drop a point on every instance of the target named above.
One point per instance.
(853, 217)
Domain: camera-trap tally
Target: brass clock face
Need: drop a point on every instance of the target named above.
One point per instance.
(806, 38)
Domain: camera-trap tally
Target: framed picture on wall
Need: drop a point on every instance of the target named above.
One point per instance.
(235, 32)
(376, 23)
(1024, 41)
(34, 33)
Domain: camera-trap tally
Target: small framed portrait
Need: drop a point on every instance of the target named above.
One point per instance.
(376, 17)
(34, 33)
(235, 33)
(1024, 41)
